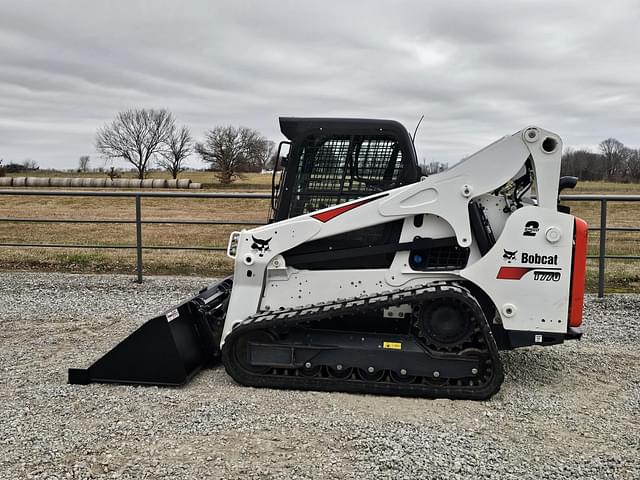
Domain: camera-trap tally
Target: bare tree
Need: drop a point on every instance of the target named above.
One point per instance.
(136, 136)
(179, 147)
(29, 164)
(230, 150)
(83, 163)
(267, 155)
(113, 173)
(614, 153)
(633, 164)
(583, 164)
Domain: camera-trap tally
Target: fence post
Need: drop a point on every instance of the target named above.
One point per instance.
(603, 247)
(138, 239)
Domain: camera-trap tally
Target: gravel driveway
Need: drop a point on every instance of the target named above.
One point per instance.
(570, 411)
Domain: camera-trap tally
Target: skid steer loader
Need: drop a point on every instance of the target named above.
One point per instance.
(371, 277)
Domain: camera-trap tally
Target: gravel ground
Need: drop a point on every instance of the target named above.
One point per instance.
(569, 411)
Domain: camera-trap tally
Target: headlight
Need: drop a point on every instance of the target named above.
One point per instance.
(232, 248)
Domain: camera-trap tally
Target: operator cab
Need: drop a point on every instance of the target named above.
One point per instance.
(334, 160)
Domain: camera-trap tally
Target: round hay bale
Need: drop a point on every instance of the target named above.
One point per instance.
(120, 183)
(6, 181)
(19, 181)
(37, 181)
(97, 182)
(195, 186)
(173, 183)
(184, 183)
(66, 182)
(146, 183)
(57, 182)
(134, 183)
(159, 183)
(108, 183)
(86, 182)
(76, 182)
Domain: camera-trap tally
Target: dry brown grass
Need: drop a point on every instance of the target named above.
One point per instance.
(621, 275)
(606, 188)
(156, 262)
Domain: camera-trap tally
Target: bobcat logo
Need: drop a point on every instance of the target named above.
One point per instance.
(509, 256)
(261, 246)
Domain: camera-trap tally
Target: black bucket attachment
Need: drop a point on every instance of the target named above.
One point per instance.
(168, 349)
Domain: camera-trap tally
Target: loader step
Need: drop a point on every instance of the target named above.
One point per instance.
(295, 349)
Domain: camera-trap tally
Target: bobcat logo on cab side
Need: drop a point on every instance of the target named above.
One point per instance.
(261, 246)
(509, 256)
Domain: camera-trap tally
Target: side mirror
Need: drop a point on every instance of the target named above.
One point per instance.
(565, 182)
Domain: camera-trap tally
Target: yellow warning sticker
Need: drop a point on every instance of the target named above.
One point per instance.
(392, 345)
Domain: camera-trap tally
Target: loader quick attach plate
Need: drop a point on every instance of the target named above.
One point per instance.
(291, 349)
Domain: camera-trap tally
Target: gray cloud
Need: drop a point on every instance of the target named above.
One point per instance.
(477, 70)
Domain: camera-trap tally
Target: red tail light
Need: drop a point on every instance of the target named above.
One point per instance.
(578, 272)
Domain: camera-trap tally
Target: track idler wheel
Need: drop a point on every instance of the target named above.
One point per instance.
(243, 350)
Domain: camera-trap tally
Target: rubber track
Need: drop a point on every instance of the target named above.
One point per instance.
(287, 318)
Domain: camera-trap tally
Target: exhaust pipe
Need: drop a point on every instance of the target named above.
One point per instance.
(169, 349)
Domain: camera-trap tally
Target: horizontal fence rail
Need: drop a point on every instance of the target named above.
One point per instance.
(138, 220)
(602, 228)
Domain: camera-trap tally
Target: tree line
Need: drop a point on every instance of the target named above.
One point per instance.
(148, 137)
(144, 137)
(26, 166)
(613, 162)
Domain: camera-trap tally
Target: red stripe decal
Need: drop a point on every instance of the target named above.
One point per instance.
(334, 212)
(512, 273)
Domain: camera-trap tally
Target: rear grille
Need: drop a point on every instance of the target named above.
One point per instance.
(451, 257)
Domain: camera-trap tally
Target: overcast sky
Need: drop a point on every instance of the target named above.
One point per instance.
(476, 70)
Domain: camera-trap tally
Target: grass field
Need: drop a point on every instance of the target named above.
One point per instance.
(622, 275)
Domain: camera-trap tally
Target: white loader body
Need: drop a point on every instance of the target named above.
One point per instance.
(536, 301)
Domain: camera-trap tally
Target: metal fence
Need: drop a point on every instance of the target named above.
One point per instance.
(139, 221)
(602, 230)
